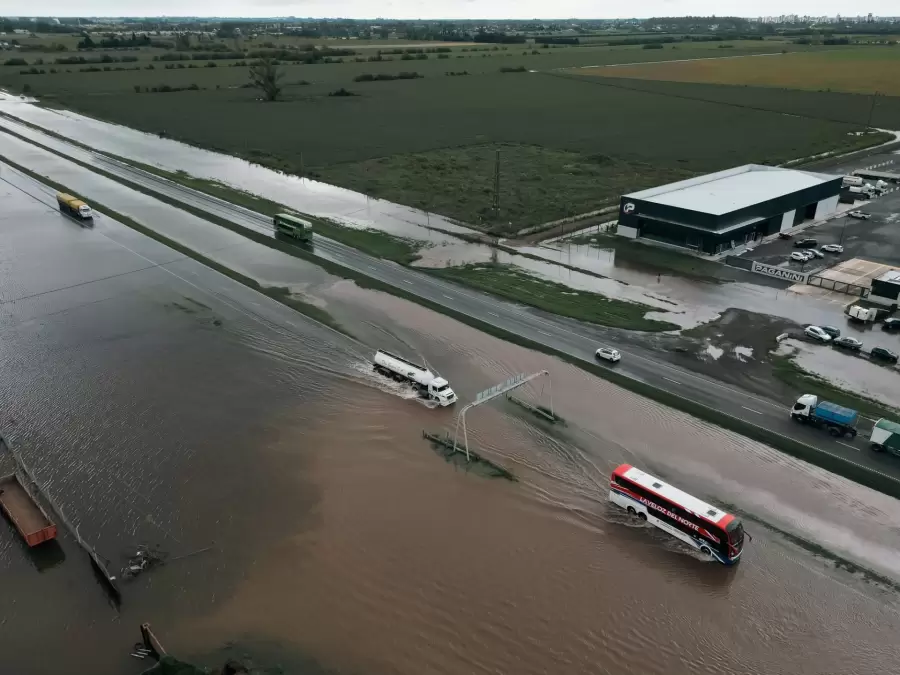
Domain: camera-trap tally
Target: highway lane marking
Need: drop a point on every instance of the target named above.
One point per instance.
(407, 281)
(543, 332)
(449, 297)
(671, 380)
(751, 410)
(847, 445)
(373, 268)
(494, 314)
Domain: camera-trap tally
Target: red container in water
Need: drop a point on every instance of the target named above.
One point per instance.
(25, 513)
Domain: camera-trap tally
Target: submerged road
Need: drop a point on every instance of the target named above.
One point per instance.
(571, 337)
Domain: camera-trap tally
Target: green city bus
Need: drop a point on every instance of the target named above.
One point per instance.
(292, 226)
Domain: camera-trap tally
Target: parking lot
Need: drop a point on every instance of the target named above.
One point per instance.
(876, 239)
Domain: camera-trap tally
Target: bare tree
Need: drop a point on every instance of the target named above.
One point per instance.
(265, 76)
(182, 42)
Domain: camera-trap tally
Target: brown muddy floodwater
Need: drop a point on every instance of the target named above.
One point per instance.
(161, 404)
(414, 566)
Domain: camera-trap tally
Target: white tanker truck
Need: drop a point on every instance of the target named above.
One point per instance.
(428, 385)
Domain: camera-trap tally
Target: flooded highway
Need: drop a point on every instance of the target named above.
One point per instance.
(162, 404)
(308, 196)
(686, 302)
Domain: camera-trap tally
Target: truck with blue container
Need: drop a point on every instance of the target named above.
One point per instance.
(838, 420)
(885, 436)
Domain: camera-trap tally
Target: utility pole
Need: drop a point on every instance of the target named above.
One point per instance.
(871, 110)
(497, 185)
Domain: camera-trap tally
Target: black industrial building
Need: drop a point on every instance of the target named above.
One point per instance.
(719, 211)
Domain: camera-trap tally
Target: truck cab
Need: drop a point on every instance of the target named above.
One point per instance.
(84, 211)
(439, 389)
(804, 406)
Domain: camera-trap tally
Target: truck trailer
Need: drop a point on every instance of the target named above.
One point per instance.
(426, 383)
(839, 421)
(74, 206)
(886, 437)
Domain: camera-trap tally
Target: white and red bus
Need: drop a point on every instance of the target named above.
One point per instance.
(710, 530)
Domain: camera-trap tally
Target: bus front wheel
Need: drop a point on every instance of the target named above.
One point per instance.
(642, 515)
(631, 511)
(705, 551)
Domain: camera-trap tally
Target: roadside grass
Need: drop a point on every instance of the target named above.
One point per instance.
(861, 70)
(280, 294)
(656, 258)
(786, 370)
(507, 282)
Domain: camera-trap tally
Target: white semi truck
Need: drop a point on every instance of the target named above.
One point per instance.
(428, 385)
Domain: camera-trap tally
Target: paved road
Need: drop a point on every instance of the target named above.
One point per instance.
(572, 337)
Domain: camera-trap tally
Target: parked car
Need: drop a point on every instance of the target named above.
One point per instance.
(833, 248)
(817, 333)
(848, 342)
(608, 354)
(861, 215)
(832, 331)
(785, 235)
(816, 253)
(806, 243)
(892, 323)
(883, 354)
(801, 256)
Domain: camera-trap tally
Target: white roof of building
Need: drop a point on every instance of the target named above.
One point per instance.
(892, 276)
(673, 494)
(732, 189)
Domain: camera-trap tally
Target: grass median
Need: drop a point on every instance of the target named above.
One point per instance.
(507, 282)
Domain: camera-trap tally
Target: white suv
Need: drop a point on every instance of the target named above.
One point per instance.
(608, 354)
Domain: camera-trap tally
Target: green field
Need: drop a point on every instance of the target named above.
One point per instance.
(568, 145)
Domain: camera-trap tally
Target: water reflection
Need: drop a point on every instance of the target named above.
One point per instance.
(303, 194)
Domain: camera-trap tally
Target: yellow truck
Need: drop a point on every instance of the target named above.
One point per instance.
(74, 206)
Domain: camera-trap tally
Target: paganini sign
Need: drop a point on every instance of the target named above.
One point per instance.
(628, 207)
(780, 273)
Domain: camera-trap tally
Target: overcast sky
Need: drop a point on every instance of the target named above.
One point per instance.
(436, 9)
